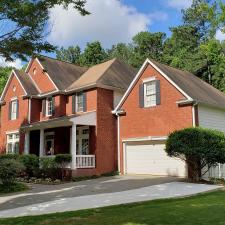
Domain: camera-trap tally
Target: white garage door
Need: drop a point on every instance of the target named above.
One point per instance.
(152, 159)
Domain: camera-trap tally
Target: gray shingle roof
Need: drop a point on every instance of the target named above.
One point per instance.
(193, 86)
(113, 73)
(62, 73)
(26, 82)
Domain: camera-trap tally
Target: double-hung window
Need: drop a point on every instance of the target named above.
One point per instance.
(80, 102)
(12, 143)
(49, 106)
(14, 109)
(150, 94)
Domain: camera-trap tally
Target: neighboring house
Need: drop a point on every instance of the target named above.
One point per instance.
(57, 107)
(160, 100)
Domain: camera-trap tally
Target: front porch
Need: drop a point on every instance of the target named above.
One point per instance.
(68, 135)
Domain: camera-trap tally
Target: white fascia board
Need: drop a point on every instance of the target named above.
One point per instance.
(147, 61)
(8, 82)
(29, 64)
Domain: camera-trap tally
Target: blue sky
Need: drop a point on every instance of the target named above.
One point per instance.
(113, 21)
(173, 13)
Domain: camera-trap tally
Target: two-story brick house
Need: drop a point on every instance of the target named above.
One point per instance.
(57, 107)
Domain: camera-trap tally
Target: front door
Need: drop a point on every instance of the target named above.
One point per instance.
(49, 143)
(82, 145)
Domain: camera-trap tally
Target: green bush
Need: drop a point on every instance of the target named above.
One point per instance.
(31, 164)
(62, 161)
(9, 156)
(199, 147)
(48, 167)
(9, 170)
(13, 187)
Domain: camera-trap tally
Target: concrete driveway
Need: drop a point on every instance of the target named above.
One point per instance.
(43, 199)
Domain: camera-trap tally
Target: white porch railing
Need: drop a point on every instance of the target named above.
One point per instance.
(85, 161)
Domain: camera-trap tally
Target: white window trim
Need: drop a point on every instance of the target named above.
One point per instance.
(145, 96)
(13, 115)
(77, 109)
(47, 107)
(149, 79)
(81, 136)
(13, 141)
(46, 134)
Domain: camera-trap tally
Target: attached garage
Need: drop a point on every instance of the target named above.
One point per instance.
(151, 158)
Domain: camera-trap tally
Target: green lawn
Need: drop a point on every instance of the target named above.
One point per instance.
(205, 209)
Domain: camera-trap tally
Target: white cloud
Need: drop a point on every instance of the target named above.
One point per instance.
(220, 36)
(179, 4)
(110, 22)
(17, 63)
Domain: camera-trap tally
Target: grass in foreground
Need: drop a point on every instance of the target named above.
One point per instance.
(205, 209)
(14, 187)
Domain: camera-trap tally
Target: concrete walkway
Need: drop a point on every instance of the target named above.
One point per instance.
(159, 191)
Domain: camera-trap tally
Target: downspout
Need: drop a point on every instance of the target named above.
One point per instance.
(193, 114)
(118, 113)
(118, 142)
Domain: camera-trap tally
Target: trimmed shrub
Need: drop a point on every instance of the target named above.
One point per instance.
(9, 170)
(62, 161)
(9, 156)
(199, 147)
(48, 167)
(31, 164)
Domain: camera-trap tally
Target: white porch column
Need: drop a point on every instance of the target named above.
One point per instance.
(41, 148)
(27, 143)
(73, 145)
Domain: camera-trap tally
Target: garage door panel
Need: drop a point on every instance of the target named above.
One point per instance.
(152, 159)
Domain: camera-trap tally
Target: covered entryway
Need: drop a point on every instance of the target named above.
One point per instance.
(149, 157)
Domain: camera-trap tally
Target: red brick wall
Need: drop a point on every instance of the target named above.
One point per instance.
(36, 106)
(159, 120)
(11, 125)
(40, 78)
(106, 132)
(91, 101)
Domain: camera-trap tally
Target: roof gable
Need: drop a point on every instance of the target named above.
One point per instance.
(192, 87)
(8, 84)
(61, 73)
(113, 73)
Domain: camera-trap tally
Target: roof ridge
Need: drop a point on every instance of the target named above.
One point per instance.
(39, 55)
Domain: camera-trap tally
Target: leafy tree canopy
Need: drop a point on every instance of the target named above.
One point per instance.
(23, 26)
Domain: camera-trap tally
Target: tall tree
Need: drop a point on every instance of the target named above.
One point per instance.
(213, 61)
(207, 16)
(93, 54)
(23, 25)
(147, 45)
(71, 54)
(181, 49)
(4, 74)
(121, 51)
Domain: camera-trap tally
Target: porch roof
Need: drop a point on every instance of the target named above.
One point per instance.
(88, 118)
